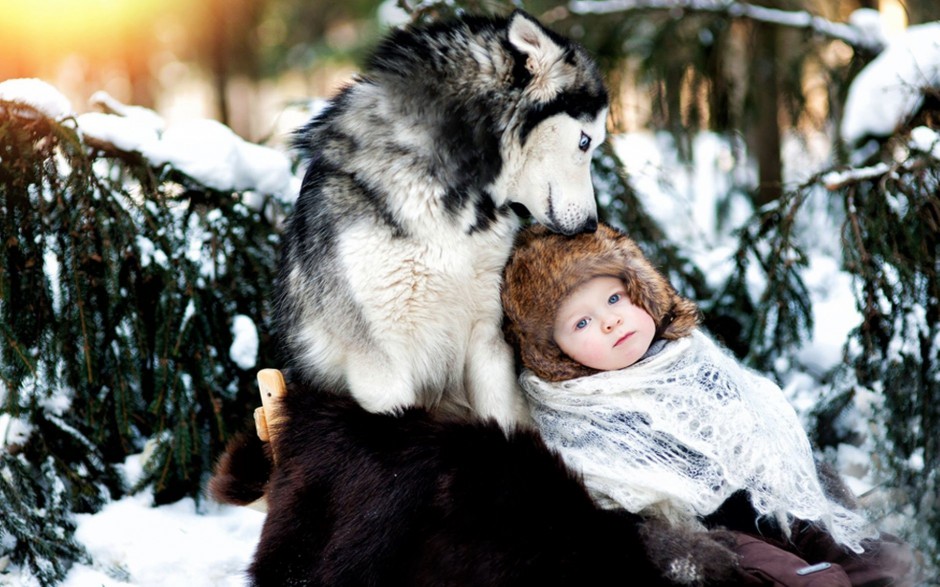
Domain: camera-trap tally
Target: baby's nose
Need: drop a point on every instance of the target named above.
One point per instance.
(612, 322)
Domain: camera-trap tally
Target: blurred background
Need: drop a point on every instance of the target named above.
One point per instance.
(244, 62)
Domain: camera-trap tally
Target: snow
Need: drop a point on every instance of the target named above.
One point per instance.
(131, 543)
(854, 463)
(36, 93)
(142, 117)
(13, 431)
(205, 150)
(890, 89)
(134, 544)
(835, 179)
(926, 140)
(213, 154)
(149, 253)
(834, 314)
(391, 14)
(869, 23)
(244, 349)
(123, 133)
(682, 197)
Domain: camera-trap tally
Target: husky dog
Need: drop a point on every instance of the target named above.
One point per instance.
(392, 258)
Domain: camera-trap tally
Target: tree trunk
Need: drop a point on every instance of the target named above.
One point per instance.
(219, 59)
(921, 11)
(136, 64)
(220, 85)
(765, 133)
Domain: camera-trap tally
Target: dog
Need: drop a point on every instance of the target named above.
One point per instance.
(392, 257)
(417, 499)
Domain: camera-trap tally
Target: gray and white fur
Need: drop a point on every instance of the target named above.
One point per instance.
(392, 258)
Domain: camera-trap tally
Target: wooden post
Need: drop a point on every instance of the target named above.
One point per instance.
(272, 386)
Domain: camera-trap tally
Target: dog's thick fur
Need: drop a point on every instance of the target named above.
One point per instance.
(372, 500)
(391, 262)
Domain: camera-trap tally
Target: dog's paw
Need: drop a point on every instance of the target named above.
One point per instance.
(690, 557)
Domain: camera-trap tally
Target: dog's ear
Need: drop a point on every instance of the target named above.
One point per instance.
(535, 42)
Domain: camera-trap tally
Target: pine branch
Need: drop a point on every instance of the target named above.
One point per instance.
(16, 347)
(892, 249)
(835, 180)
(797, 19)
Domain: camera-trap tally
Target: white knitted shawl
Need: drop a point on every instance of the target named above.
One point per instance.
(680, 431)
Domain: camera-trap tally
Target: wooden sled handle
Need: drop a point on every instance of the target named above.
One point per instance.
(272, 386)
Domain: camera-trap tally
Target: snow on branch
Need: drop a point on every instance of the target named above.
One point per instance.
(835, 180)
(205, 150)
(923, 142)
(800, 19)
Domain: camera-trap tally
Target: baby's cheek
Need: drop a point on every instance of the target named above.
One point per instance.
(593, 356)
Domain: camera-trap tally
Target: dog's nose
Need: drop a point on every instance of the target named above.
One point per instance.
(572, 221)
(589, 225)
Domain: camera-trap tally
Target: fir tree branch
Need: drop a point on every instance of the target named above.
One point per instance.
(798, 19)
(838, 179)
(19, 352)
(86, 344)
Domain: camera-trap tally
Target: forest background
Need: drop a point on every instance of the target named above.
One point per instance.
(126, 346)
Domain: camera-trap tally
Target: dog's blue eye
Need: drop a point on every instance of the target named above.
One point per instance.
(585, 142)
(613, 299)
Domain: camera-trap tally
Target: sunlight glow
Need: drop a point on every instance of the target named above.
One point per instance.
(893, 16)
(47, 29)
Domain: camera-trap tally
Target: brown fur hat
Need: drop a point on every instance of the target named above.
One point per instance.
(546, 267)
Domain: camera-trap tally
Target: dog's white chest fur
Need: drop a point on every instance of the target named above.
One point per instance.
(424, 300)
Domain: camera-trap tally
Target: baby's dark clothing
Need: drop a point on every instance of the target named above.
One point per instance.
(809, 557)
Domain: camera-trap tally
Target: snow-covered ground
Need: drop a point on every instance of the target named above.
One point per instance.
(133, 544)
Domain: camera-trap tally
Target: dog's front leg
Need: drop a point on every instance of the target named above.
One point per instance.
(491, 378)
(379, 384)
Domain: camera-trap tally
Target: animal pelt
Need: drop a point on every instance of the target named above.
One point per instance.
(243, 471)
(369, 499)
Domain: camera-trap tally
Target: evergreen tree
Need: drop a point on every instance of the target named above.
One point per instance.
(119, 283)
(892, 247)
(36, 526)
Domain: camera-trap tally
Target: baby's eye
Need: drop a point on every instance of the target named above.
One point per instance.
(613, 299)
(584, 143)
(582, 323)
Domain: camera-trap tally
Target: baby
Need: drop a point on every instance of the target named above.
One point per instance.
(657, 417)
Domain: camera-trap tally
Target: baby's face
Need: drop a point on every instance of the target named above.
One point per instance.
(599, 327)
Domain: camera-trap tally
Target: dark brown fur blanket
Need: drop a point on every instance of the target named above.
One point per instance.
(362, 499)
